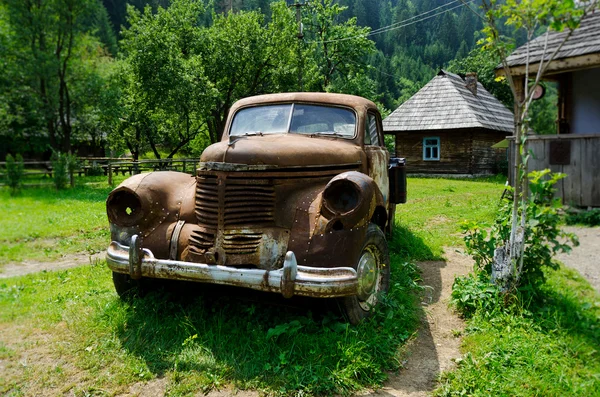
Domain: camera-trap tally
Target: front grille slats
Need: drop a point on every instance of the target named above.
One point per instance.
(224, 204)
(241, 243)
(202, 240)
(207, 212)
(246, 205)
(243, 209)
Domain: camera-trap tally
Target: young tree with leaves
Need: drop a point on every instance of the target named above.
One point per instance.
(529, 16)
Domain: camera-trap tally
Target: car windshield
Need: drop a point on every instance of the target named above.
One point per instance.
(294, 119)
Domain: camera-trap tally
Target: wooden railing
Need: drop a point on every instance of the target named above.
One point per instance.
(40, 172)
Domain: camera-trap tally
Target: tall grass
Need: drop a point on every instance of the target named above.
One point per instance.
(201, 341)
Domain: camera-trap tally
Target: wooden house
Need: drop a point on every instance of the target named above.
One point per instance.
(449, 127)
(575, 149)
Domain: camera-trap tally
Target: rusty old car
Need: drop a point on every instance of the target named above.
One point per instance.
(295, 200)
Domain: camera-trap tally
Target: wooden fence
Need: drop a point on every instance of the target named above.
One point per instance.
(578, 156)
(40, 172)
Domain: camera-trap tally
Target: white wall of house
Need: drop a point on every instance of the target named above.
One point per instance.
(586, 102)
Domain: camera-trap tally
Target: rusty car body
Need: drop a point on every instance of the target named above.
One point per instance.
(295, 200)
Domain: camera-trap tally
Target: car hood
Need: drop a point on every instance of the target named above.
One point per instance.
(284, 150)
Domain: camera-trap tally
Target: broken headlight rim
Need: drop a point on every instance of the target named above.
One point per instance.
(124, 207)
(341, 197)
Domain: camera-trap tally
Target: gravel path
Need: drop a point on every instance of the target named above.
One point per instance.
(585, 258)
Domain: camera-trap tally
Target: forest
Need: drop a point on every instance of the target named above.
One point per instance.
(156, 78)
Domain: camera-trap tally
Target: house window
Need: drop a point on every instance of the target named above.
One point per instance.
(431, 148)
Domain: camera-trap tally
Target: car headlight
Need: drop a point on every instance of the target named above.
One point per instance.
(341, 196)
(124, 207)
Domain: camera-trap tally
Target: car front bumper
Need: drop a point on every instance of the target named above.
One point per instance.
(290, 280)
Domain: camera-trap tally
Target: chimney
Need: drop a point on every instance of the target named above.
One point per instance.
(471, 80)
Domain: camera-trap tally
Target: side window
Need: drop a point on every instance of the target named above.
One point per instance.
(431, 148)
(371, 136)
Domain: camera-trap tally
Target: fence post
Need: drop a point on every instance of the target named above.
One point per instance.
(110, 176)
(135, 167)
(184, 161)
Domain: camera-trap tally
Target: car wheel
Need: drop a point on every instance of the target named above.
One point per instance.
(373, 270)
(127, 287)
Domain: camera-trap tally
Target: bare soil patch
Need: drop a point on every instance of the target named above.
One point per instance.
(26, 267)
(586, 257)
(437, 343)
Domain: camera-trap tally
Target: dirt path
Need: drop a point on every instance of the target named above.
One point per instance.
(26, 267)
(437, 343)
(586, 257)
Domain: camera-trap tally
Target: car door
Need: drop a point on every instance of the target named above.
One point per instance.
(377, 155)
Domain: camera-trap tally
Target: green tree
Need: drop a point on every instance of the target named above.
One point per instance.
(45, 35)
(243, 56)
(167, 74)
(340, 49)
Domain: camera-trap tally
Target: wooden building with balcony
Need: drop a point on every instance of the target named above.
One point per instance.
(575, 148)
(449, 127)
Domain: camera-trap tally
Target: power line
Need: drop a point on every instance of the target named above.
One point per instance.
(392, 27)
(415, 17)
(473, 11)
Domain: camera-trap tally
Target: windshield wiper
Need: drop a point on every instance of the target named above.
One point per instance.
(328, 133)
(233, 138)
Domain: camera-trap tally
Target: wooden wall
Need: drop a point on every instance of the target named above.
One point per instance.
(576, 155)
(465, 151)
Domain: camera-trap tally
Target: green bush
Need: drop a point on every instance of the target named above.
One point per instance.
(474, 292)
(14, 172)
(63, 167)
(95, 170)
(588, 218)
(543, 236)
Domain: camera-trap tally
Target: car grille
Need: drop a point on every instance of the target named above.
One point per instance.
(249, 205)
(207, 201)
(232, 204)
(241, 243)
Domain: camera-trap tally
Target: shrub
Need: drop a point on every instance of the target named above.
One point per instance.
(63, 167)
(543, 236)
(474, 292)
(95, 170)
(588, 218)
(14, 172)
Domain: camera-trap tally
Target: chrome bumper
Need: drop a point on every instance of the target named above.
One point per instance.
(290, 280)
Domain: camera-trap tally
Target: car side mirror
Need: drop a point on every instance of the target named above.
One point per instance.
(397, 178)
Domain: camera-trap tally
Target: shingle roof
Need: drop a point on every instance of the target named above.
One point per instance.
(445, 103)
(584, 40)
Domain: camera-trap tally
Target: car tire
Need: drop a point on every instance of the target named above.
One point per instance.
(374, 258)
(127, 287)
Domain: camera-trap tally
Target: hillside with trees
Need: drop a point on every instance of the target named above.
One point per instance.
(158, 77)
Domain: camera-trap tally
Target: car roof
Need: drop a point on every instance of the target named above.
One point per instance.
(353, 101)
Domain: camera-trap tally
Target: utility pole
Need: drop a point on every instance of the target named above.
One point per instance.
(300, 36)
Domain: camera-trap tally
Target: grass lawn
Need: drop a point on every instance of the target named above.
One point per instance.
(548, 346)
(42, 224)
(67, 332)
(436, 208)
